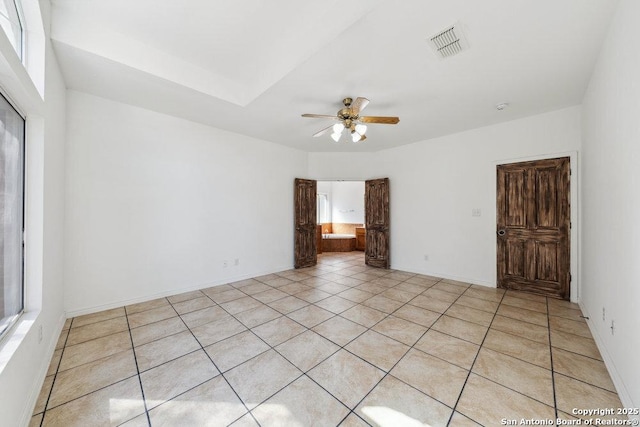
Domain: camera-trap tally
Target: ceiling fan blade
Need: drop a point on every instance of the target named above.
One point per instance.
(378, 119)
(321, 116)
(323, 131)
(359, 104)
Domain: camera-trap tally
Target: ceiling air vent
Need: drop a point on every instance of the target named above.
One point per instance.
(449, 42)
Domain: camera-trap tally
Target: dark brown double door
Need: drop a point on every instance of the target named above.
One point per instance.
(533, 223)
(376, 223)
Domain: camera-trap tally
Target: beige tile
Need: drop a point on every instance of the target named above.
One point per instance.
(167, 381)
(55, 362)
(288, 304)
(314, 282)
(571, 393)
(194, 304)
(417, 315)
(259, 378)
(440, 295)
(409, 288)
(278, 331)
(185, 296)
(400, 330)
(302, 403)
(399, 295)
(523, 377)
(62, 339)
(575, 344)
(295, 275)
(160, 351)
(525, 295)
(97, 330)
(460, 329)
(153, 331)
(98, 348)
(217, 289)
(347, 377)
(423, 281)
(453, 350)
(364, 316)
(353, 421)
(43, 396)
(459, 420)
(489, 403)
(522, 329)
(478, 303)
(489, 294)
(583, 368)
(278, 282)
(310, 315)
(97, 317)
(566, 312)
(149, 316)
(241, 304)
(226, 296)
(348, 281)
(312, 295)
(520, 348)
(437, 378)
(269, 296)
(333, 288)
(339, 330)
(553, 302)
(200, 317)
(112, 405)
(456, 282)
(377, 349)
(90, 377)
(527, 304)
(257, 316)
(430, 304)
(233, 351)
(383, 304)
(67, 324)
(211, 403)
(393, 403)
(242, 284)
(36, 420)
(576, 327)
(294, 288)
(335, 304)
(245, 421)
(450, 287)
(355, 295)
(218, 330)
(469, 314)
(399, 275)
(528, 316)
(372, 288)
(307, 350)
(255, 288)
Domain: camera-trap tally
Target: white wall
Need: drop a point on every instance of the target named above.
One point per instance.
(155, 204)
(436, 183)
(24, 358)
(347, 202)
(610, 202)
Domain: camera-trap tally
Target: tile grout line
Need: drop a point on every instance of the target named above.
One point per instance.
(135, 358)
(553, 375)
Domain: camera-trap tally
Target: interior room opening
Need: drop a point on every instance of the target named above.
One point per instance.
(340, 218)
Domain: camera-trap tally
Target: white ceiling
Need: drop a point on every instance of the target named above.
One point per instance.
(253, 67)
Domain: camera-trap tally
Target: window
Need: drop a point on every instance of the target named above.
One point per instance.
(322, 209)
(11, 24)
(11, 214)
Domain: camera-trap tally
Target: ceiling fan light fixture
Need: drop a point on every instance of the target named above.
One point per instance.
(338, 128)
(361, 129)
(355, 136)
(336, 136)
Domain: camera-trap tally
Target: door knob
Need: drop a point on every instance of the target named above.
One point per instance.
(501, 232)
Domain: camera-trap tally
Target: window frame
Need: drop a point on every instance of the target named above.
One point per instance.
(16, 317)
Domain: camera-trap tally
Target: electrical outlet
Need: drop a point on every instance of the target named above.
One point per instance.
(236, 261)
(476, 212)
(426, 257)
(225, 264)
(603, 316)
(39, 334)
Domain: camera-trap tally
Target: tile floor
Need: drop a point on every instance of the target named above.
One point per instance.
(336, 344)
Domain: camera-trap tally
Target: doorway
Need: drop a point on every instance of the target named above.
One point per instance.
(352, 214)
(533, 226)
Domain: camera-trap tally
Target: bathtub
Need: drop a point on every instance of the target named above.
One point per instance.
(338, 242)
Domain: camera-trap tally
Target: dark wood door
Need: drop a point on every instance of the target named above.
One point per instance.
(533, 222)
(376, 208)
(305, 242)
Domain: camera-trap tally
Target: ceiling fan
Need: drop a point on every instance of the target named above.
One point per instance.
(349, 118)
